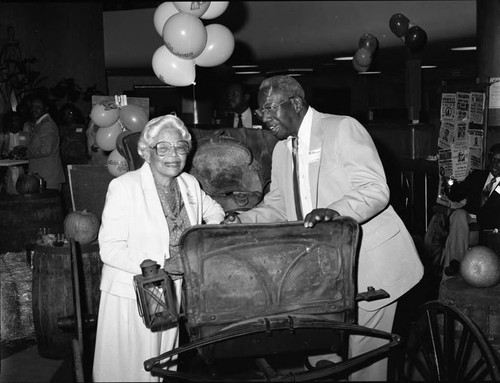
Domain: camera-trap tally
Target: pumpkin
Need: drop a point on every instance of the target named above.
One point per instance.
(83, 226)
(480, 267)
(28, 184)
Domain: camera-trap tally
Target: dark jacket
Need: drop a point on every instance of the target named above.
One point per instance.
(228, 120)
(488, 215)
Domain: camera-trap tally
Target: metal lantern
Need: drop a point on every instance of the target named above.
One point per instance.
(155, 297)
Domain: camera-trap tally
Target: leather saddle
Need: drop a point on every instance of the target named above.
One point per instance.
(228, 172)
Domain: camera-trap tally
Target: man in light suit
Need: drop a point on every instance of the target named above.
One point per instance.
(339, 173)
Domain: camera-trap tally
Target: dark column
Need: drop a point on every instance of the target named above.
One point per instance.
(414, 87)
(488, 56)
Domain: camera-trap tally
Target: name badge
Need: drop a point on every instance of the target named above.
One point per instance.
(79, 130)
(314, 155)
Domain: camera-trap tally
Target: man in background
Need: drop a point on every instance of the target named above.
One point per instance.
(240, 113)
(447, 238)
(43, 149)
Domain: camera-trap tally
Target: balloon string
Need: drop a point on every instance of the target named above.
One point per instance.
(195, 107)
(410, 80)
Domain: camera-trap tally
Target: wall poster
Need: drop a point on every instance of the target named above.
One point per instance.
(461, 139)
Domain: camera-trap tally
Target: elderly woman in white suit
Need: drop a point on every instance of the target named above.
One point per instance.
(145, 213)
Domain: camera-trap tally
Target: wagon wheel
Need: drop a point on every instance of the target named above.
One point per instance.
(446, 346)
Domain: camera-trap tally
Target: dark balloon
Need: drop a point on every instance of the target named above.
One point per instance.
(363, 57)
(369, 42)
(415, 38)
(399, 24)
(358, 67)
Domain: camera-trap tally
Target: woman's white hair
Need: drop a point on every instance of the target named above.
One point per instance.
(157, 125)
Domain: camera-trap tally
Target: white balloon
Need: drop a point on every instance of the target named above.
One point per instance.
(185, 35)
(171, 69)
(162, 14)
(117, 164)
(219, 47)
(195, 8)
(105, 138)
(216, 9)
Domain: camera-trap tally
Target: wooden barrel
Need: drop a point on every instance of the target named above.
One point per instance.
(479, 304)
(21, 216)
(52, 294)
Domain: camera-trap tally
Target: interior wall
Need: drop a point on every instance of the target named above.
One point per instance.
(65, 39)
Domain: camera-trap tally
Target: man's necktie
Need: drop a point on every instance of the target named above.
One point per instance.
(240, 122)
(296, 190)
(487, 190)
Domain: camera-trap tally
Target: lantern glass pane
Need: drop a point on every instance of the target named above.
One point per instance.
(155, 297)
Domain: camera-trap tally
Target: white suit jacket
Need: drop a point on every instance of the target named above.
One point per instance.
(134, 227)
(346, 175)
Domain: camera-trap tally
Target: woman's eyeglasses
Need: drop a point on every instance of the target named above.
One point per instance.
(163, 147)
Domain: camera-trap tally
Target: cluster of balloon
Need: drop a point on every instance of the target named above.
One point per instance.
(112, 121)
(363, 56)
(412, 35)
(187, 41)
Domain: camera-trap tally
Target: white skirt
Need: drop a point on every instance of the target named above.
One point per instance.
(123, 342)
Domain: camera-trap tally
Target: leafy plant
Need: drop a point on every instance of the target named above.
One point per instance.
(67, 90)
(22, 79)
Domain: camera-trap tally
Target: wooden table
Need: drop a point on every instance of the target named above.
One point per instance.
(6, 163)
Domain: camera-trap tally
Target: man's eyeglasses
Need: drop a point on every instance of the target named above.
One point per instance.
(163, 147)
(273, 108)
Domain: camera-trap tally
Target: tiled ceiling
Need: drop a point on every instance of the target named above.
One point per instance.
(290, 34)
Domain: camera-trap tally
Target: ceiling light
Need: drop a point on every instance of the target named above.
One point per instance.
(428, 66)
(464, 48)
(372, 72)
(248, 72)
(301, 70)
(245, 66)
(345, 58)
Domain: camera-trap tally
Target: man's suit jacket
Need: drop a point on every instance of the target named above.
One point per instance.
(43, 152)
(346, 175)
(488, 215)
(257, 122)
(134, 227)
